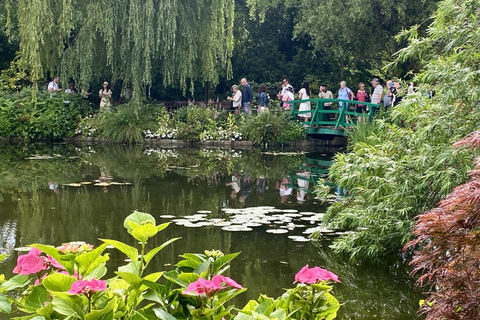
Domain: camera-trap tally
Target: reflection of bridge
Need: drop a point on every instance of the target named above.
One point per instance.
(310, 172)
(320, 118)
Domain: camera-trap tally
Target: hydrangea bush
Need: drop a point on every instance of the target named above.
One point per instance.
(69, 284)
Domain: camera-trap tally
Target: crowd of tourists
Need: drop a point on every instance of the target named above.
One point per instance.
(391, 95)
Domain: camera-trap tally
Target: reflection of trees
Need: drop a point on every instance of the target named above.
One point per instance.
(8, 237)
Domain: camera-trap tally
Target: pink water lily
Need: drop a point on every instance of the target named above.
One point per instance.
(313, 275)
(88, 287)
(210, 288)
(30, 263)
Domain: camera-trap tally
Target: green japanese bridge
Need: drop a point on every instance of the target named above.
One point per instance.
(323, 120)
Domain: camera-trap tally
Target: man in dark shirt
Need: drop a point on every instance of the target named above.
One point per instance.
(247, 96)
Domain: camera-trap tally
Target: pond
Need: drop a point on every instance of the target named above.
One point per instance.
(59, 193)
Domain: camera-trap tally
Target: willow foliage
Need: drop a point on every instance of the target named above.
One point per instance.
(401, 166)
(132, 40)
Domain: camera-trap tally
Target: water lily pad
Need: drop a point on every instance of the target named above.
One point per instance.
(296, 237)
(102, 184)
(236, 228)
(204, 211)
(73, 184)
(301, 240)
(192, 225)
(293, 215)
(252, 224)
(277, 231)
(86, 182)
(167, 216)
(290, 210)
(307, 213)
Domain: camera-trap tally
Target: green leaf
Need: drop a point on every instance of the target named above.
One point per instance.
(2, 257)
(98, 273)
(5, 305)
(46, 311)
(36, 299)
(160, 227)
(129, 251)
(143, 232)
(250, 306)
(87, 262)
(131, 278)
(194, 257)
(163, 315)
(58, 282)
(220, 262)
(138, 218)
(173, 276)
(280, 314)
(149, 256)
(203, 266)
(15, 282)
(188, 277)
(131, 267)
(105, 313)
(66, 306)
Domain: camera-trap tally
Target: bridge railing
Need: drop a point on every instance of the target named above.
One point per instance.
(320, 113)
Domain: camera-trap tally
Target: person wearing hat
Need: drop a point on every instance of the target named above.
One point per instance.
(105, 95)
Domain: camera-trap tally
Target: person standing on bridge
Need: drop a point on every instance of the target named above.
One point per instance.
(362, 96)
(304, 94)
(247, 96)
(344, 93)
(326, 94)
(377, 91)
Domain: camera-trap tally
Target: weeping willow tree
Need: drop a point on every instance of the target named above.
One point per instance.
(92, 40)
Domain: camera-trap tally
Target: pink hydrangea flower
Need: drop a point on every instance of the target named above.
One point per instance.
(30, 263)
(88, 287)
(210, 288)
(313, 275)
(228, 281)
(75, 247)
(53, 262)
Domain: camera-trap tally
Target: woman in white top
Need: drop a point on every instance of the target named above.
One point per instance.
(304, 94)
(237, 98)
(105, 95)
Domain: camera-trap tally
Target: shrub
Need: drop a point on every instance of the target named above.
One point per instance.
(269, 128)
(194, 120)
(39, 116)
(128, 122)
(448, 250)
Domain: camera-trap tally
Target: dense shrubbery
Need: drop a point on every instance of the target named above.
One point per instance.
(271, 128)
(403, 165)
(39, 116)
(448, 250)
(69, 284)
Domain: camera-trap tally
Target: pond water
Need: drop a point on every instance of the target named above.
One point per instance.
(42, 200)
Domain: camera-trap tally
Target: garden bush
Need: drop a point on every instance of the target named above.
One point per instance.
(39, 116)
(128, 122)
(270, 128)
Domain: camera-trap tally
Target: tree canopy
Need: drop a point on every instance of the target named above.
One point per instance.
(87, 40)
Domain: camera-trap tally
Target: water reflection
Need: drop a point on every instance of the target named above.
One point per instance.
(84, 193)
